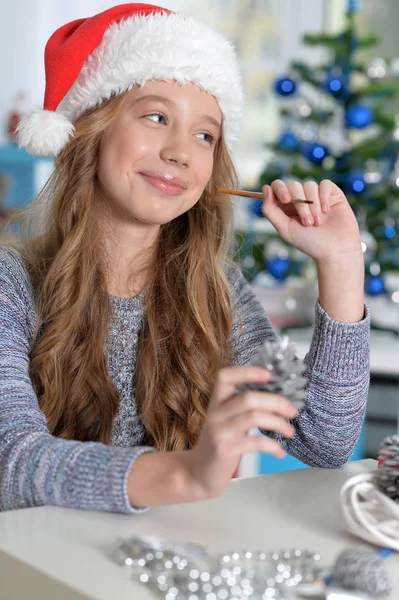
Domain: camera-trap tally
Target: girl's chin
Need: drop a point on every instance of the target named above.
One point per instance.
(150, 219)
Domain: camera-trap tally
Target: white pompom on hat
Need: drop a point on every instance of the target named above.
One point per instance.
(89, 60)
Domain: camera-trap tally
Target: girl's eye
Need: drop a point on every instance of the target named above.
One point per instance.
(160, 118)
(156, 117)
(208, 138)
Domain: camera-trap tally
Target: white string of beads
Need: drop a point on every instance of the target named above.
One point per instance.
(189, 572)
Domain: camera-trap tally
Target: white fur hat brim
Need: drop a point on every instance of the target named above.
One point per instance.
(133, 51)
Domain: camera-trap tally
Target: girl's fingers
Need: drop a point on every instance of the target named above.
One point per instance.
(325, 191)
(259, 401)
(257, 418)
(311, 190)
(261, 443)
(228, 378)
(309, 214)
(272, 206)
(303, 210)
(281, 191)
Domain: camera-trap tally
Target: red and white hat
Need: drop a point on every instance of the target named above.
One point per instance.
(89, 60)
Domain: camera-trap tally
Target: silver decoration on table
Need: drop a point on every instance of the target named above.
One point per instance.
(278, 356)
(362, 570)
(387, 475)
(182, 571)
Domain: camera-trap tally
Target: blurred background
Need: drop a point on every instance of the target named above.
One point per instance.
(322, 83)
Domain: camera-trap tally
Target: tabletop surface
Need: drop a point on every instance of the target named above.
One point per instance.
(52, 552)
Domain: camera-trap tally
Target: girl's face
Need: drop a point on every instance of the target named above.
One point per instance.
(158, 155)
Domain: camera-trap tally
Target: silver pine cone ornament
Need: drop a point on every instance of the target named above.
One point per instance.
(387, 475)
(278, 357)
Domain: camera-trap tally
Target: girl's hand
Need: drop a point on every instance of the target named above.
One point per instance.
(326, 229)
(224, 437)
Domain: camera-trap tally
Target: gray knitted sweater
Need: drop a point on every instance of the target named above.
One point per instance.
(37, 468)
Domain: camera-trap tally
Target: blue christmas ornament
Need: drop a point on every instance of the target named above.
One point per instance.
(359, 116)
(336, 85)
(284, 86)
(255, 208)
(374, 285)
(389, 232)
(314, 152)
(278, 267)
(288, 141)
(354, 181)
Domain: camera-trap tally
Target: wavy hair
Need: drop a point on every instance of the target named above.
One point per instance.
(185, 337)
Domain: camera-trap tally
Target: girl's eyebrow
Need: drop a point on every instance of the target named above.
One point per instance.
(155, 98)
(168, 102)
(211, 120)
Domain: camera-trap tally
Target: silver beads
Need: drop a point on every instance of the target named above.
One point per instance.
(189, 572)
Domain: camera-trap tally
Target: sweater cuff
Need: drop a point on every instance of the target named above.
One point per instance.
(119, 488)
(339, 350)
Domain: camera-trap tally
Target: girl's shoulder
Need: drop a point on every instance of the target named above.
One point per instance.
(9, 252)
(12, 264)
(15, 281)
(235, 276)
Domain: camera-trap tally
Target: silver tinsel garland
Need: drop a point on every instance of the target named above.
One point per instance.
(278, 357)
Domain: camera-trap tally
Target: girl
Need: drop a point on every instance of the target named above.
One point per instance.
(124, 326)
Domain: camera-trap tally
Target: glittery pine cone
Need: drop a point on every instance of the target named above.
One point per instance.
(278, 357)
(361, 569)
(387, 475)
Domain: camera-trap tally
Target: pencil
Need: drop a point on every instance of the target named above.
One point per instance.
(257, 195)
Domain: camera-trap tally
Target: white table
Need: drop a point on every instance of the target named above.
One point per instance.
(61, 554)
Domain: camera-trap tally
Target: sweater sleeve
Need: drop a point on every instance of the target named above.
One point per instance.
(37, 468)
(338, 370)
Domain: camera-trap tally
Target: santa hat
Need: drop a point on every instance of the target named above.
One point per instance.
(89, 60)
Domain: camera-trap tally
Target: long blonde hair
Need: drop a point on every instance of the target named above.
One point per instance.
(185, 338)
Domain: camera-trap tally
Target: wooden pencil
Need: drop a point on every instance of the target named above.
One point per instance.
(257, 195)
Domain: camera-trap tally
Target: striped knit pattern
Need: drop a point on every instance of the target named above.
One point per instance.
(37, 468)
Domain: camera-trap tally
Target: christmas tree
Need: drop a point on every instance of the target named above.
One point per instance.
(339, 122)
